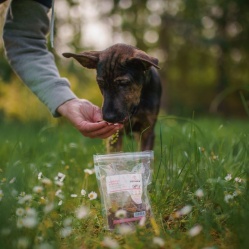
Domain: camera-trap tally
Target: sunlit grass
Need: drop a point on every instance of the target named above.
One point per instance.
(199, 193)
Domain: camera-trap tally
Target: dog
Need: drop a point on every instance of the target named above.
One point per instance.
(131, 89)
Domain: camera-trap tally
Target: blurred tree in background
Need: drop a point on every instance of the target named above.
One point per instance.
(202, 47)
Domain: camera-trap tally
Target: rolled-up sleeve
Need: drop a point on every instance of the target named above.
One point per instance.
(24, 35)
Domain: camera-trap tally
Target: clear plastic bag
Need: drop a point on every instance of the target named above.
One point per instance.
(123, 179)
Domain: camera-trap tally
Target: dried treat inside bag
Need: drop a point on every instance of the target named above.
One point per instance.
(123, 179)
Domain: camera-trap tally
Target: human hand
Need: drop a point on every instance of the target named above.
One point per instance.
(87, 118)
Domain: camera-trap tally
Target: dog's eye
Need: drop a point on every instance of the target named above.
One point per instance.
(123, 83)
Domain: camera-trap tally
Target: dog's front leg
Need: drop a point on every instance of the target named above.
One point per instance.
(147, 140)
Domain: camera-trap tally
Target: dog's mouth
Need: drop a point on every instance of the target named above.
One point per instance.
(130, 114)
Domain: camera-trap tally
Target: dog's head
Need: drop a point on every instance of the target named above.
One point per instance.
(120, 75)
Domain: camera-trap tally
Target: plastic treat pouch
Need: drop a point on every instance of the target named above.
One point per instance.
(123, 179)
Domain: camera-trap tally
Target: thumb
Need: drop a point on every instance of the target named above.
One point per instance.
(97, 115)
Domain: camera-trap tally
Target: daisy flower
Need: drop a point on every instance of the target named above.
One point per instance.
(110, 243)
(89, 171)
(121, 214)
(195, 230)
(82, 212)
(199, 193)
(228, 177)
(158, 241)
(83, 192)
(92, 195)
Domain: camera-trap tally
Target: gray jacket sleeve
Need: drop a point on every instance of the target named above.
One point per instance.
(24, 36)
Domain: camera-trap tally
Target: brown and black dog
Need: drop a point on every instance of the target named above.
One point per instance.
(131, 89)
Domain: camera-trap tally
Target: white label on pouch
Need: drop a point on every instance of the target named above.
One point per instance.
(126, 182)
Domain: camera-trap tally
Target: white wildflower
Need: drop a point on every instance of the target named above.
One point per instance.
(110, 243)
(24, 199)
(125, 229)
(60, 177)
(37, 189)
(158, 241)
(59, 183)
(199, 193)
(40, 176)
(228, 197)
(121, 214)
(73, 195)
(20, 212)
(195, 230)
(228, 177)
(67, 222)
(59, 194)
(65, 232)
(48, 208)
(93, 195)
(238, 179)
(12, 180)
(46, 181)
(82, 212)
(29, 222)
(60, 203)
(89, 171)
(186, 210)
(83, 192)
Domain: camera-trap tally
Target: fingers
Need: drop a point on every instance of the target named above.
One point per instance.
(98, 130)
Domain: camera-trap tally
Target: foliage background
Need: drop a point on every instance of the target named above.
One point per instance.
(202, 47)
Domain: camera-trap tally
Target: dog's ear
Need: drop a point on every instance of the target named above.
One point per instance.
(86, 59)
(144, 60)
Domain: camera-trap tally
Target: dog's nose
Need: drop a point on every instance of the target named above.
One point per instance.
(111, 118)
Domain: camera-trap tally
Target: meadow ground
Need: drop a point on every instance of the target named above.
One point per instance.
(199, 193)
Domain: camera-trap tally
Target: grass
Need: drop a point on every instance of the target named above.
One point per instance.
(199, 194)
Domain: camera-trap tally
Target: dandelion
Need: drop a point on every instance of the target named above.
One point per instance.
(20, 212)
(238, 179)
(199, 193)
(228, 177)
(73, 195)
(65, 232)
(92, 195)
(38, 189)
(158, 241)
(125, 229)
(1, 194)
(40, 176)
(228, 197)
(110, 243)
(195, 230)
(89, 171)
(186, 210)
(82, 212)
(121, 214)
(83, 192)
